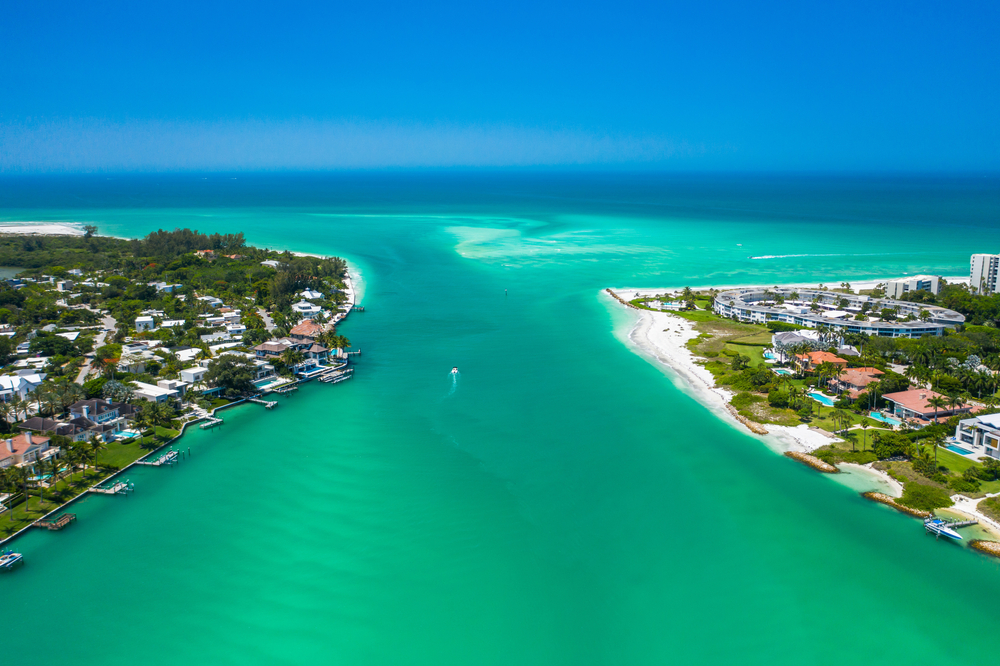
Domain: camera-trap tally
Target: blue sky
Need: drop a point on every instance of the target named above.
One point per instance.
(108, 86)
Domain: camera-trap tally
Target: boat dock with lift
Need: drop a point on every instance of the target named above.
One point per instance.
(114, 488)
(56, 523)
(940, 527)
(211, 423)
(168, 457)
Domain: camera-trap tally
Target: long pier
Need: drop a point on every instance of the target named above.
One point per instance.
(268, 404)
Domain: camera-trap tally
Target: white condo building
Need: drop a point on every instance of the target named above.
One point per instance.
(896, 288)
(985, 274)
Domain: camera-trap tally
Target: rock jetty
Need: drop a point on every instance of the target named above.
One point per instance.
(988, 547)
(891, 501)
(812, 461)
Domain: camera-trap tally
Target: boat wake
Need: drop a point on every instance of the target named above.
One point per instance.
(454, 374)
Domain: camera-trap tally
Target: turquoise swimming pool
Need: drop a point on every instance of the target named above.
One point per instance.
(823, 399)
(884, 419)
(783, 371)
(958, 449)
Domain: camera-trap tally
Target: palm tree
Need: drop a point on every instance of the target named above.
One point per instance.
(19, 478)
(937, 402)
(865, 424)
(95, 446)
(18, 406)
(937, 441)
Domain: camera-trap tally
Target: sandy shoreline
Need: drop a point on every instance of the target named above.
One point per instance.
(664, 336)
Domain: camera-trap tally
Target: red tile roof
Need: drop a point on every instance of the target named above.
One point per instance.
(915, 400)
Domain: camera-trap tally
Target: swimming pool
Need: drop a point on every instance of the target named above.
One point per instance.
(824, 399)
(770, 356)
(884, 419)
(958, 449)
(127, 434)
(782, 371)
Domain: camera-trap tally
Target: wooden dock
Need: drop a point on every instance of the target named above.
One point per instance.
(268, 404)
(286, 391)
(337, 376)
(165, 458)
(56, 523)
(357, 308)
(114, 488)
(211, 423)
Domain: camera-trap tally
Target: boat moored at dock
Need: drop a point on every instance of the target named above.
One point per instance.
(940, 528)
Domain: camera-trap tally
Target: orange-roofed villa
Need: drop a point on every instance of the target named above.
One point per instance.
(810, 361)
(913, 404)
(853, 381)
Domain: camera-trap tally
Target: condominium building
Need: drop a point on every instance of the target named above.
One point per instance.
(985, 273)
(896, 288)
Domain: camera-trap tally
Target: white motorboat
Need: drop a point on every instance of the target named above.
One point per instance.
(940, 528)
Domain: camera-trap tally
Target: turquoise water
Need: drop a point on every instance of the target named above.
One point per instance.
(824, 399)
(560, 501)
(878, 416)
(958, 449)
(783, 371)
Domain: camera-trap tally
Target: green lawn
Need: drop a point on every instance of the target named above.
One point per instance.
(116, 456)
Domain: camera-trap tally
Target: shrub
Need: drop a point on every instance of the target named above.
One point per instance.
(743, 400)
(964, 485)
(923, 497)
(777, 398)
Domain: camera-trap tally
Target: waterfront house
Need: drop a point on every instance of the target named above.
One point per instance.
(152, 393)
(317, 353)
(270, 349)
(311, 295)
(980, 432)
(307, 309)
(22, 384)
(306, 331)
(912, 404)
(25, 449)
(809, 361)
(854, 380)
(102, 411)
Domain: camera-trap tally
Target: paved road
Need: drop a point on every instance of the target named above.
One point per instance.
(268, 322)
(109, 325)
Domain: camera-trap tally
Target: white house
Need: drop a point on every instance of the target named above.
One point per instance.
(307, 309)
(171, 323)
(144, 323)
(310, 295)
(193, 375)
(271, 263)
(236, 329)
(211, 300)
(22, 383)
(152, 393)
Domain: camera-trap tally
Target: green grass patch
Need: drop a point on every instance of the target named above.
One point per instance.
(991, 507)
